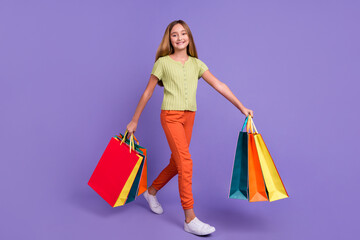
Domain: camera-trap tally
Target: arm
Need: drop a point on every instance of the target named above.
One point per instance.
(224, 90)
(131, 127)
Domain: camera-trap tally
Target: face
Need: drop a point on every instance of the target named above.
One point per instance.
(179, 37)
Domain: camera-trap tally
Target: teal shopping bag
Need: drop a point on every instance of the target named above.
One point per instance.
(133, 193)
(135, 187)
(239, 179)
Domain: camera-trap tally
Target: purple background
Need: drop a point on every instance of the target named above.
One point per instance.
(72, 73)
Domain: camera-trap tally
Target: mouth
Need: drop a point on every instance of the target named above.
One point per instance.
(180, 43)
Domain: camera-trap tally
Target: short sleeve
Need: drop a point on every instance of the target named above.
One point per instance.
(157, 69)
(202, 67)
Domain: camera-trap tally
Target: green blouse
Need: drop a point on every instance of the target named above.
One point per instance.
(180, 81)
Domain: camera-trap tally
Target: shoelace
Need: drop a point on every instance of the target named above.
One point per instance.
(155, 202)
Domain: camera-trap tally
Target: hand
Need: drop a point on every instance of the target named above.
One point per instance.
(131, 127)
(246, 112)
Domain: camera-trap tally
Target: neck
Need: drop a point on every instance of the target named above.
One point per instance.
(180, 53)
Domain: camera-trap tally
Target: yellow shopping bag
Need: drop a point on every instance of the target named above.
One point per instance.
(274, 185)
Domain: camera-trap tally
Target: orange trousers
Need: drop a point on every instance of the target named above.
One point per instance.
(178, 127)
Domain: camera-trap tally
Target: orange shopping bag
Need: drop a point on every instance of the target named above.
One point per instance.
(257, 190)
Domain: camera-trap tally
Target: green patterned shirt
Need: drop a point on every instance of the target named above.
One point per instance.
(180, 81)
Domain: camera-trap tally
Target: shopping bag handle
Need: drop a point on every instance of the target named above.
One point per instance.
(245, 122)
(137, 142)
(252, 126)
(132, 145)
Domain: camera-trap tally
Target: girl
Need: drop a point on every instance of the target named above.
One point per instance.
(178, 69)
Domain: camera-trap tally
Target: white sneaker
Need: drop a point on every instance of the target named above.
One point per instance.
(153, 203)
(198, 227)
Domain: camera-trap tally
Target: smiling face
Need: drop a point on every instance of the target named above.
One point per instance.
(179, 37)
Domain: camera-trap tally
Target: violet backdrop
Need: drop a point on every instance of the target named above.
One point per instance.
(72, 73)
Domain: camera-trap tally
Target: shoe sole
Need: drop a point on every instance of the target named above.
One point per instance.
(189, 231)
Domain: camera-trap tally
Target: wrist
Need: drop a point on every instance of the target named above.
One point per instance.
(134, 121)
(242, 109)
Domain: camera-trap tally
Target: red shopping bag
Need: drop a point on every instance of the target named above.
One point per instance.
(116, 171)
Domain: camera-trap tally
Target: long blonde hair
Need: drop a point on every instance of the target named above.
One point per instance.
(166, 48)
